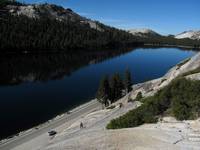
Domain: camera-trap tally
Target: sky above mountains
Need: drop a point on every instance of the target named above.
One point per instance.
(163, 16)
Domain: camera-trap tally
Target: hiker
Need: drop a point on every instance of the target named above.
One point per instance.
(81, 125)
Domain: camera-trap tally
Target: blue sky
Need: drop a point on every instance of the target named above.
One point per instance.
(163, 16)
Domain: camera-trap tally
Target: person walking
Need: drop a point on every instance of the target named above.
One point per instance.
(81, 125)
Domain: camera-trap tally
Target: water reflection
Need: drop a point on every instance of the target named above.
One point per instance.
(16, 69)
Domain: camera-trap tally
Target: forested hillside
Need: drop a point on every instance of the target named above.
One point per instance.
(21, 33)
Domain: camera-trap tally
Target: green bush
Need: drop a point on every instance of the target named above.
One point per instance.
(181, 97)
(139, 96)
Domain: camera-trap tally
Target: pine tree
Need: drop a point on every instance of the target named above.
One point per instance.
(116, 87)
(120, 85)
(127, 81)
(103, 92)
(113, 85)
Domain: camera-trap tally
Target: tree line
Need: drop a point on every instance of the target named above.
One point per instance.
(170, 40)
(111, 89)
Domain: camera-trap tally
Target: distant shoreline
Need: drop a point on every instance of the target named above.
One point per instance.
(175, 46)
(99, 49)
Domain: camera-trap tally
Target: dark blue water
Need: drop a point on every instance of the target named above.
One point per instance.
(30, 103)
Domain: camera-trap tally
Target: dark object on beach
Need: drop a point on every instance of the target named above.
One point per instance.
(81, 125)
(120, 105)
(51, 133)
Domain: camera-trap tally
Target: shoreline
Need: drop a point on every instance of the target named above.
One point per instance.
(52, 123)
(89, 50)
(175, 46)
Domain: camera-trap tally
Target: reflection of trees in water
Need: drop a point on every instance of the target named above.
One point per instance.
(16, 69)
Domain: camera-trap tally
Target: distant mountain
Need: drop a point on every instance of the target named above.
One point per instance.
(194, 35)
(151, 37)
(144, 33)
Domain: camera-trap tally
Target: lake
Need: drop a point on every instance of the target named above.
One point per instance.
(35, 88)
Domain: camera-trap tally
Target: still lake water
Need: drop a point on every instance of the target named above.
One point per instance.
(34, 89)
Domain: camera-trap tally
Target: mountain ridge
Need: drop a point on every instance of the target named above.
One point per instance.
(191, 34)
(51, 11)
(144, 32)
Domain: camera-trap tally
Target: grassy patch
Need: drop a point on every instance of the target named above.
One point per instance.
(180, 98)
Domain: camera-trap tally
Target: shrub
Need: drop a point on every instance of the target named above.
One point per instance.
(139, 96)
(181, 97)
